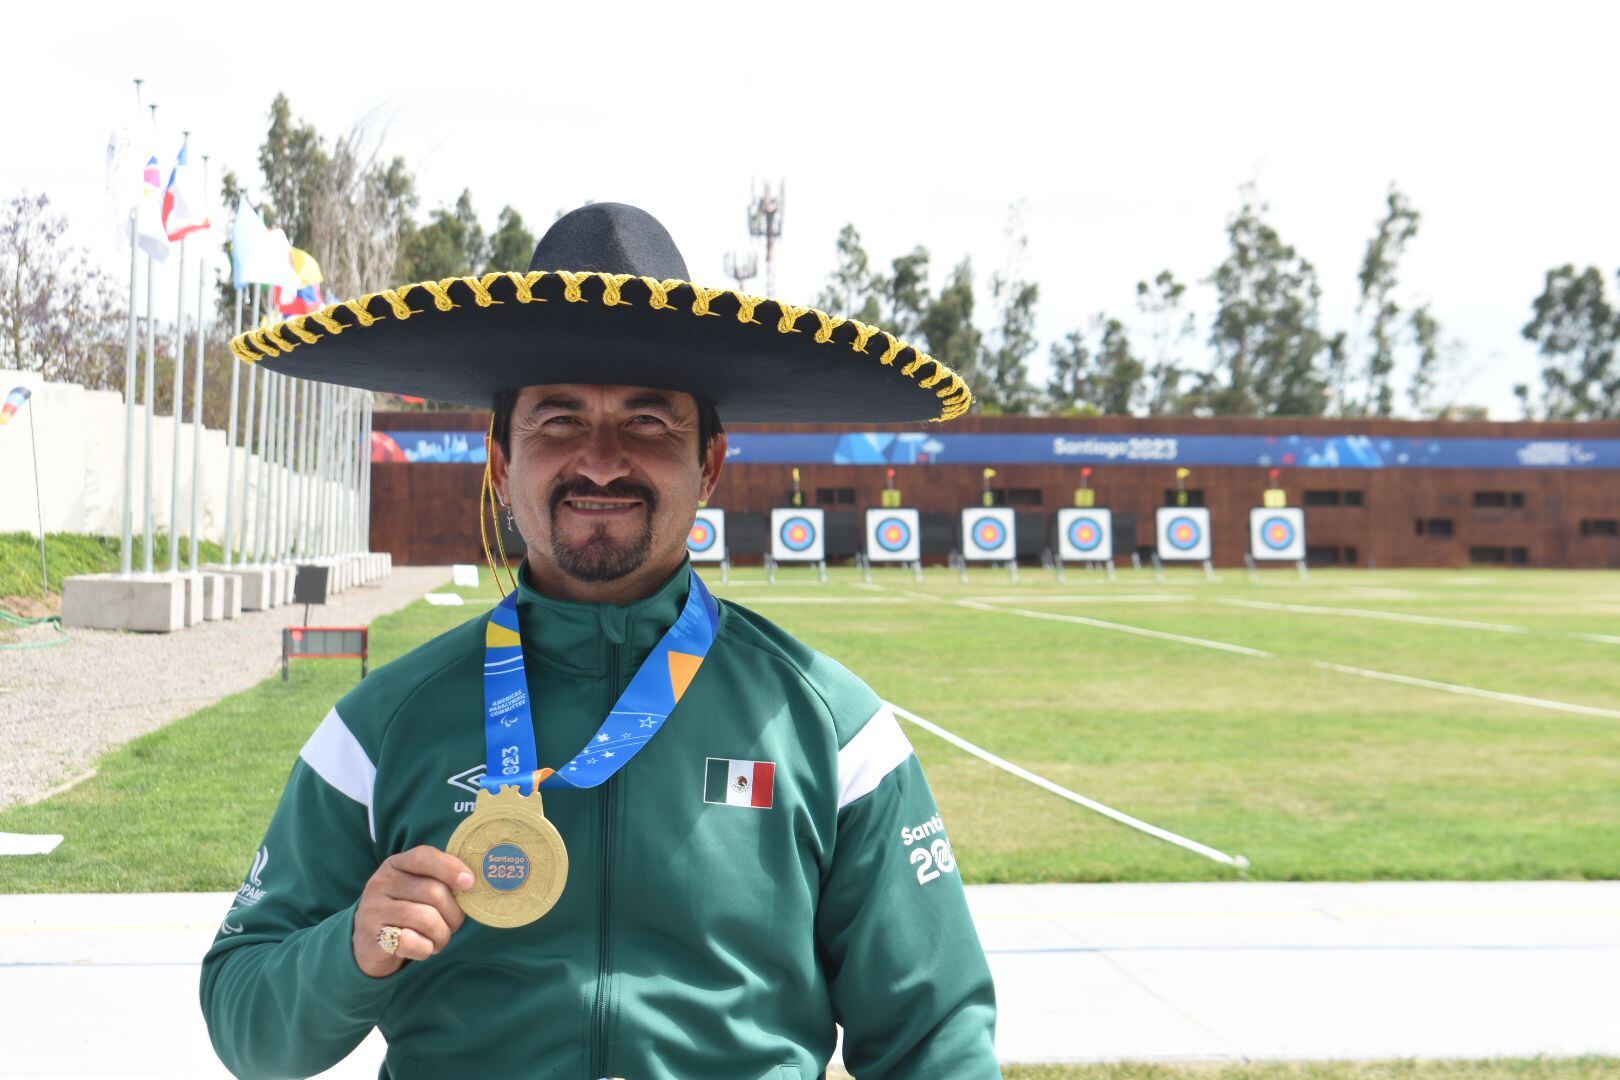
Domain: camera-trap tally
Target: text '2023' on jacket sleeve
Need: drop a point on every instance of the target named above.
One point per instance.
(909, 979)
(281, 991)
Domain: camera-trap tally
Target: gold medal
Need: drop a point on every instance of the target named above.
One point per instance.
(517, 858)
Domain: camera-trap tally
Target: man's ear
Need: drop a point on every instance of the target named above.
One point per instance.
(497, 466)
(713, 461)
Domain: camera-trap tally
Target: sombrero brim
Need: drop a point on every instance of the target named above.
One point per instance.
(466, 339)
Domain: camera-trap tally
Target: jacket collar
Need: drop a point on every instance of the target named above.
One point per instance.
(579, 636)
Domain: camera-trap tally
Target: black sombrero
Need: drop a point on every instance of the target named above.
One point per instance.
(606, 300)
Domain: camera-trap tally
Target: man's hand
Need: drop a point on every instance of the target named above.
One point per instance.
(410, 890)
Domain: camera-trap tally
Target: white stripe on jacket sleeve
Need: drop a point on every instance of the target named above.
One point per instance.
(876, 750)
(338, 758)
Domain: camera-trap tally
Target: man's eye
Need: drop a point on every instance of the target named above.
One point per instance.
(645, 419)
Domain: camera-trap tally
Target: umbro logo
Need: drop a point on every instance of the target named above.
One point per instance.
(468, 779)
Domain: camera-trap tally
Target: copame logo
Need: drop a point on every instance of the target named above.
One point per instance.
(252, 890)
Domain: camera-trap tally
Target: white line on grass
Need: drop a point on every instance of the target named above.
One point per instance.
(767, 599)
(1085, 598)
(1242, 650)
(1453, 688)
(1605, 639)
(1390, 616)
(1106, 811)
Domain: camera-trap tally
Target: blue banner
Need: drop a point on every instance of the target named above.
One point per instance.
(1062, 448)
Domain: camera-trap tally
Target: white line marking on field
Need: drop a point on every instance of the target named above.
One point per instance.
(1100, 624)
(1453, 688)
(960, 743)
(1606, 639)
(1367, 613)
(767, 599)
(1086, 598)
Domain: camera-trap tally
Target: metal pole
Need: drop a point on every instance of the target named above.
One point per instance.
(284, 489)
(230, 442)
(129, 405)
(151, 351)
(179, 411)
(39, 508)
(266, 497)
(247, 440)
(258, 468)
(324, 517)
(305, 480)
(365, 465)
(197, 391)
(351, 431)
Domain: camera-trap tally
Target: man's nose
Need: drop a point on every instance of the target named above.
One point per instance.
(603, 459)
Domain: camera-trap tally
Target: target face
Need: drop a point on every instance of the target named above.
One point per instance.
(892, 536)
(706, 542)
(796, 535)
(1277, 533)
(1085, 535)
(1183, 533)
(987, 534)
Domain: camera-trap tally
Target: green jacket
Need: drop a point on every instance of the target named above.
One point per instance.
(694, 941)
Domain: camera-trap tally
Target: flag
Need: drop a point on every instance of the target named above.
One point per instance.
(185, 204)
(149, 231)
(123, 179)
(739, 783)
(307, 297)
(260, 256)
(14, 401)
(1182, 474)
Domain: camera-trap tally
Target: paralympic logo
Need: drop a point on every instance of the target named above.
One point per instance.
(798, 534)
(988, 534)
(1084, 534)
(1184, 533)
(702, 536)
(1277, 533)
(893, 534)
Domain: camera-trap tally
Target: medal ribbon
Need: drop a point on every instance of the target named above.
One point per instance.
(636, 717)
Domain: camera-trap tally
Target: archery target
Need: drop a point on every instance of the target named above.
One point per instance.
(1277, 534)
(796, 535)
(707, 540)
(893, 536)
(1085, 535)
(1183, 533)
(987, 534)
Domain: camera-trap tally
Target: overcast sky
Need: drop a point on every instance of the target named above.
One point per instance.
(1125, 130)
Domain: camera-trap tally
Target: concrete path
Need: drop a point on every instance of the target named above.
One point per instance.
(106, 985)
(63, 707)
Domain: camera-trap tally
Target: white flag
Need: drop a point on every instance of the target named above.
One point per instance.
(149, 230)
(260, 256)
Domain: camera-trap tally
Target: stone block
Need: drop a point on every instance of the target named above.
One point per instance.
(149, 602)
(222, 596)
(194, 598)
(257, 587)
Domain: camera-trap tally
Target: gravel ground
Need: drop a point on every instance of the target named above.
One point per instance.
(63, 707)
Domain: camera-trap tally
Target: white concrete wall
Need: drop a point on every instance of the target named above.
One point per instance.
(80, 438)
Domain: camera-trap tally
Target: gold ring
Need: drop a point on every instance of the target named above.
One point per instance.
(388, 939)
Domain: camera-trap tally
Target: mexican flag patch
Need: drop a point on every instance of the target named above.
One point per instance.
(739, 783)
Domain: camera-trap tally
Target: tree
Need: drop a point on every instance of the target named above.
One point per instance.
(1265, 335)
(451, 244)
(294, 165)
(903, 293)
(1378, 281)
(1171, 326)
(946, 326)
(1118, 378)
(851, 290)
(1425, 329)
(1576, 329)
(511, 246)
(1068, 387)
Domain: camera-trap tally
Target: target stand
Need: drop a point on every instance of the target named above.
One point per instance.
(1085, 537)
(706, 541)
(989, 536)
(1276, 534)
(798, 535)
(1183, 536)
(894, 537)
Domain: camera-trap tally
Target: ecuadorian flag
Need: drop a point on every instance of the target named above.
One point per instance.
(14, 401)
(739, 783)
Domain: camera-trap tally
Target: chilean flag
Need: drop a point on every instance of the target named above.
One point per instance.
(185, 208)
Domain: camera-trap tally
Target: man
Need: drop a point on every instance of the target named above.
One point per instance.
(752, 852)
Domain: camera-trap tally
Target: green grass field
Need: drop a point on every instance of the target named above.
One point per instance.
(1312, 773)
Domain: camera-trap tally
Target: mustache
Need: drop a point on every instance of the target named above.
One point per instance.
(585, 489)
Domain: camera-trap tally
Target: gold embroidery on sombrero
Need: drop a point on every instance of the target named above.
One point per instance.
(790, 315)
(829, 323)
(525, 283)
(611, 284)
(239, 346)
(921, 359)
(659, 300)
(895, 345)
(395, 298)
(324, 317)
(440, 291)
(480, 287)
(863, 334)
(702, 298)
(358, 309)
(941, 373)
(571, 283)
(745, 307)
(296, 325)
(269, 334)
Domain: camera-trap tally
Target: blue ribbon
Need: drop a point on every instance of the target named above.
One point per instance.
(654, 690)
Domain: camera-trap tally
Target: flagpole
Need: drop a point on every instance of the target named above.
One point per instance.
(365, 467)
(305, 479)
(283, 435)
(197, 387)
(258, 466)
(39, 508)
(230, 438)
(126, 557)
(247, 436)
(179, 410)
(267, 443)
(151, 375)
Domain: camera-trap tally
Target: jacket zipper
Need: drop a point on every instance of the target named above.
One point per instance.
(604, 942)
